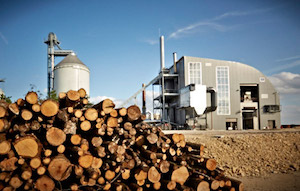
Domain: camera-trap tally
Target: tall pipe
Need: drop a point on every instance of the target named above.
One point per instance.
(162, 53)
(144, 100)
(175, 60)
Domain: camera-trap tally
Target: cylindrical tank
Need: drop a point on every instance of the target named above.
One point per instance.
(71, 74)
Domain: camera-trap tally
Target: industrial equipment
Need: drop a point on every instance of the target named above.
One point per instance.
(53, 42)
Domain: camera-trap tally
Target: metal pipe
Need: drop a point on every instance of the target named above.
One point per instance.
(144, 100)
(175, 60)
(162, 53)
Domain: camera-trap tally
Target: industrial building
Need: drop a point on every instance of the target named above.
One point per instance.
(69, 74)
(214, 94)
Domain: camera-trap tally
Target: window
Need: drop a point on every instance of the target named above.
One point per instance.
(195, 76)
(223, 90)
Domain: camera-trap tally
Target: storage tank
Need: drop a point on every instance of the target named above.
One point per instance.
(71, 74)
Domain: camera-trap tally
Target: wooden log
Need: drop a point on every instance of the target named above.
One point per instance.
(91, 114)
(70, 127)
(8, 164)
(97, 163)
(106, 106)
(78, 113)
(15, 182)
(238, 185)
(4, 125)
(3, 111)
(26, 174)
(5, 147)
(55, 136)
(47, 152)
(60, 168)
(113, 113)
(152, 138)
(41, 170)
(164, 166)
(109, 175)
(82, 92)
(35, 125)
(62, 95)
(14, 108)
(210, 164)
(26, 114)
(49, 108)
(20, 102)
(180, 175)
(96, 141)
(35, 162)
(61, 149)
(153, 175)
(73, 96)
(133, 113)
(112, 122)
(44, 183)
(85, 125)
(31, 97)
(198, 184)
(75, 139)
(122, 111)
(27, 146)
(86, 160)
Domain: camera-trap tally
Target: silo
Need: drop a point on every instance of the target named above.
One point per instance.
(71, 74)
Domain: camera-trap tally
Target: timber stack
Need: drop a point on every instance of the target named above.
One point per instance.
(71, 145)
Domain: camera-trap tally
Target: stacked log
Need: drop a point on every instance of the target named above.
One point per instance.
(69, 145)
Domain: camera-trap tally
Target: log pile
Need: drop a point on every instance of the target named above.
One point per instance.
(68, 145)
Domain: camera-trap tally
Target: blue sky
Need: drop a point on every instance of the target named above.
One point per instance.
(118, 41)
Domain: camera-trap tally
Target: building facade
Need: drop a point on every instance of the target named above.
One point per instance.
(216, 94)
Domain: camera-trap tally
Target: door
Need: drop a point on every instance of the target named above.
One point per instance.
(248, 120)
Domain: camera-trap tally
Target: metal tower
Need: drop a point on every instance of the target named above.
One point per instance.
(51, 54)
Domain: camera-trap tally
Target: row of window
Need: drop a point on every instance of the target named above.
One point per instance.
(222, 80)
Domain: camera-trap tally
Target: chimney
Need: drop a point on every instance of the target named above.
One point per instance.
(175, 60)
(144, 100)
(162, 53)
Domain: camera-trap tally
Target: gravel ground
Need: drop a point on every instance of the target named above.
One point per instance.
(262, 160)
(252, 154)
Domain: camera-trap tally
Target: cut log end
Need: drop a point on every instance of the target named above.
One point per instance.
(73, 95)
(26, 146)
(45, 183)
(55, 136)
(60, 168)
(133, 113)
(49, 108)
(31, 98)
(82, 92)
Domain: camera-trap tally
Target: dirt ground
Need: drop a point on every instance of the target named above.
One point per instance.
(273, 182)
(263, 160)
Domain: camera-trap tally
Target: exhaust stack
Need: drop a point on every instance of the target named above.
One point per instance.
(144, 100)
(175, 60)
(162, 53)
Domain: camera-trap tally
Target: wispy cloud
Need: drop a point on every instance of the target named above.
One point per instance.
(212, 23)
(194, 27)
(151, 41)
(4, 38)
(283, 67)
(288, 58)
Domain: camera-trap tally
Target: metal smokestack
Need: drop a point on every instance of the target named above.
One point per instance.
(162, 53)
(175, 60)
(144, 100)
